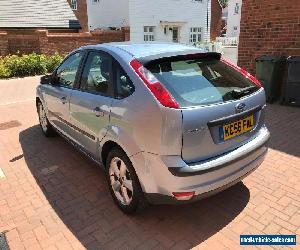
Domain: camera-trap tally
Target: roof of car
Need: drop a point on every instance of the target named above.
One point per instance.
(147, 50)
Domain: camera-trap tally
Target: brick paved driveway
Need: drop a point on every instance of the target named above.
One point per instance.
(51, 197)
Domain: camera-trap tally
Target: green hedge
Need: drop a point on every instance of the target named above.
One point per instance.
(28, 65)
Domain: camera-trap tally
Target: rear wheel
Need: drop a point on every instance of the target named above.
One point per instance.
(123, 182)
(46, 127)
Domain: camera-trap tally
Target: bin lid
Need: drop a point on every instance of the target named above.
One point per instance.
(293, 59)
(269, 58)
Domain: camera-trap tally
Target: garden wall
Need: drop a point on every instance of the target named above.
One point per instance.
(43, 41)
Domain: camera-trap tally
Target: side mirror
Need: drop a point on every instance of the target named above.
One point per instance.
(45, 79)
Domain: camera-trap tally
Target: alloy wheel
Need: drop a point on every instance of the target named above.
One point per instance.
(43, 118)
(121, 181)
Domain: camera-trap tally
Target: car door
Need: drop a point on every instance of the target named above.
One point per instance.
(58, 93)
(90, 105)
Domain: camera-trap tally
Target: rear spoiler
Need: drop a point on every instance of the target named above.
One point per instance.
(181, 55)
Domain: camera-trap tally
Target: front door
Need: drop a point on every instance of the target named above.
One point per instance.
(175, 34)
(58, 96)
(90, 105)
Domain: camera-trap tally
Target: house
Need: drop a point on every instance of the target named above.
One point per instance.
(79, 8)
(104, 14)
(234, 18)
(22, 21)
(184, 21)
(216, 19)
(224, 21)
(170, 20)
(268, 28)
(30, 14)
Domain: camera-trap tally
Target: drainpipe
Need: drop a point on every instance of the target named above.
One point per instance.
(207, 21)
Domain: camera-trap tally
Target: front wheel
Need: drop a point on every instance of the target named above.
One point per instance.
(46, 127)
(123, 182)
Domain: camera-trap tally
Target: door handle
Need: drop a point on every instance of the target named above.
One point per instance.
(63, 100)
(98, 112)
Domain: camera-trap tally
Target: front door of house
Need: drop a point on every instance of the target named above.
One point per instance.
(175, 34)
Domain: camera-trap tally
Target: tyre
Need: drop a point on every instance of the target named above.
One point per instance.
(123, 182)
(46, 127)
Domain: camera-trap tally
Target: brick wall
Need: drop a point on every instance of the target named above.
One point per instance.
(268, 27)
(216, 20)
(81, 14)
(3, 43)
(43, 41)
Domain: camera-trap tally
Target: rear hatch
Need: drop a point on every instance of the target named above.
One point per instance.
(221, 105)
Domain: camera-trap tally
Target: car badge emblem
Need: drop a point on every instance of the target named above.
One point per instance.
(240, 107)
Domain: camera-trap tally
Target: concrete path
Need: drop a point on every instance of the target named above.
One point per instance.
(18, 90)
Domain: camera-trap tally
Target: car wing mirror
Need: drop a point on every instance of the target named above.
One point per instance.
(46, 79)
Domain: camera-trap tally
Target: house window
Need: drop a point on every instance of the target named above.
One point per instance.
(235, 28)
(236, 8)
(148, 33)
(95, 1)
(74, 4)
(195, 34)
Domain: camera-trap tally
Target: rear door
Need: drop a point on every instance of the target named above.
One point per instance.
(90, 105)
(57, 96)
(221, 107)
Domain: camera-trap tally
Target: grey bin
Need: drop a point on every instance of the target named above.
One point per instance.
(270, 72)
(291, 87)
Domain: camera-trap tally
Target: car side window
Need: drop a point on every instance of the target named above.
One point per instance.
(67, 71)
(96, 76)
(124, 85)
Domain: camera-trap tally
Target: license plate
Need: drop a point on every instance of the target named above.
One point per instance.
(236, 128)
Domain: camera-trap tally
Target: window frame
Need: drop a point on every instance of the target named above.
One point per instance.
(95, 2)
(111, 89)
(237, 9)
(197, 33)
(74, 3)
(148, 33)
(116, 64)
(78, 73)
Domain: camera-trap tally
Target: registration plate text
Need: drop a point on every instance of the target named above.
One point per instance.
(236, 128)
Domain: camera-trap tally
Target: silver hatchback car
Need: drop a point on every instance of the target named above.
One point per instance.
(168, 122)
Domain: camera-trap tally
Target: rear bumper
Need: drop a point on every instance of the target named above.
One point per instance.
(158, 182)
(165, 199)
(254, 149)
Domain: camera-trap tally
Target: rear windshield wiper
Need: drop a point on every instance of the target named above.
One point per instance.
(238, 93)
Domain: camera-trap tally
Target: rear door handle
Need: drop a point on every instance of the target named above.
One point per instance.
(63, 100)
(98, 112)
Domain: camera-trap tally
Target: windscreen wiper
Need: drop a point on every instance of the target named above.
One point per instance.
(238, 93)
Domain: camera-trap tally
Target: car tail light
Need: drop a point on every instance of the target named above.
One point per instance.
(244, 73)
(183, 196)
(157, 89)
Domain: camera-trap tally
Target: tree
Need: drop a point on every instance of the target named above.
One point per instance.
(224, 3)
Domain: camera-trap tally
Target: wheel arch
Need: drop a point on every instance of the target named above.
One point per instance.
(106, 148)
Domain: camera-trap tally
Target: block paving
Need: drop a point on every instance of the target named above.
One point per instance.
(52, 197)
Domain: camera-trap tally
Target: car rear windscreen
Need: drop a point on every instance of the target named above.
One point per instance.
(202, 81)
